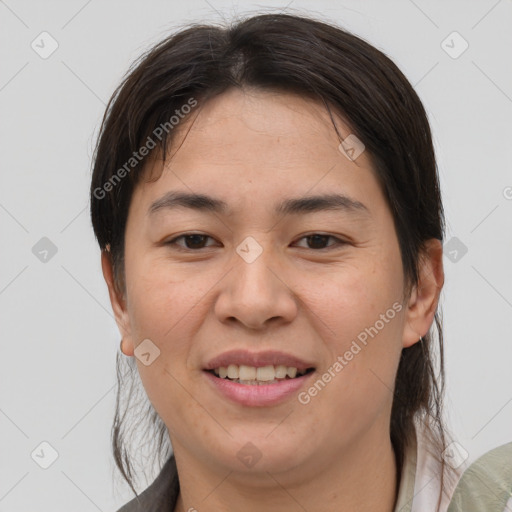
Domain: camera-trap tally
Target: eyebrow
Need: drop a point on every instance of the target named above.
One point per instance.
(291, 206)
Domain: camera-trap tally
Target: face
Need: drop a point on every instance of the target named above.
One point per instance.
(257, 276)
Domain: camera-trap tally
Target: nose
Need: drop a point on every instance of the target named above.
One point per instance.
(256, 294)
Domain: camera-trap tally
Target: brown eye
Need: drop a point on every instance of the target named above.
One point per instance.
(195, 241)
(317, 241)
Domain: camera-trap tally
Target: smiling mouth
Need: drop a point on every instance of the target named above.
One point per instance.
(258, 376)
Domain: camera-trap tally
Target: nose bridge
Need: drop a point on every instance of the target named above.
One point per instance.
(253, 275)
(254, 294)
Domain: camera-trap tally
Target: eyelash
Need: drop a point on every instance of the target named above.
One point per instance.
(338, 242)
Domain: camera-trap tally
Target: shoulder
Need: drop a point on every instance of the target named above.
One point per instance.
(486, 484)
(161, 495)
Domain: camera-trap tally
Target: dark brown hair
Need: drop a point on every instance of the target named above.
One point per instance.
(302, 55)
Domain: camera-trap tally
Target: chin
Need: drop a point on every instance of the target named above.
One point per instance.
(260, 453)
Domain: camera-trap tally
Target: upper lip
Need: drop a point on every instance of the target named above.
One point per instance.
(257, 359)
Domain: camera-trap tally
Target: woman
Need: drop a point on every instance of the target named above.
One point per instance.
(267, 204)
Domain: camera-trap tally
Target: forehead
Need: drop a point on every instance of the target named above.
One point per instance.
(253, 146)
(290, 128)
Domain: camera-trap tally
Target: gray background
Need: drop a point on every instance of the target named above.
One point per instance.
(58, 337)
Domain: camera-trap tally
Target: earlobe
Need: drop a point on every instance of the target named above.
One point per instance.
(118, 303)
(424, 298)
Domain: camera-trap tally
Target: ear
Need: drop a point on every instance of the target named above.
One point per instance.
(425, 294)
(118, 303)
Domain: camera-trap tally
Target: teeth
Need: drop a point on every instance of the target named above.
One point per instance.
(291, 372)
(233, 371)
(252, 375)
(281, 371)
(246, 372)
(265, 373)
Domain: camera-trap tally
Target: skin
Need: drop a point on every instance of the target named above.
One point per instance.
(252, 149)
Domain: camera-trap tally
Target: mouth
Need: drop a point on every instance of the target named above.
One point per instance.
(257, 379)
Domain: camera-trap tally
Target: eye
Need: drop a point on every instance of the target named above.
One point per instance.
(319, 241)
(196, 241)
(192, 241)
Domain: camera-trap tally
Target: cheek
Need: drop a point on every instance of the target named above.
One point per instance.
(355, 388)
(352, 296)
(160, 299)
(165, 310)
(359, 316)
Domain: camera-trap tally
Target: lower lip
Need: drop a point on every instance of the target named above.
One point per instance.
(258, 395)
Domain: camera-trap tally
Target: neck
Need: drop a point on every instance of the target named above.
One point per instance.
(361, 479)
